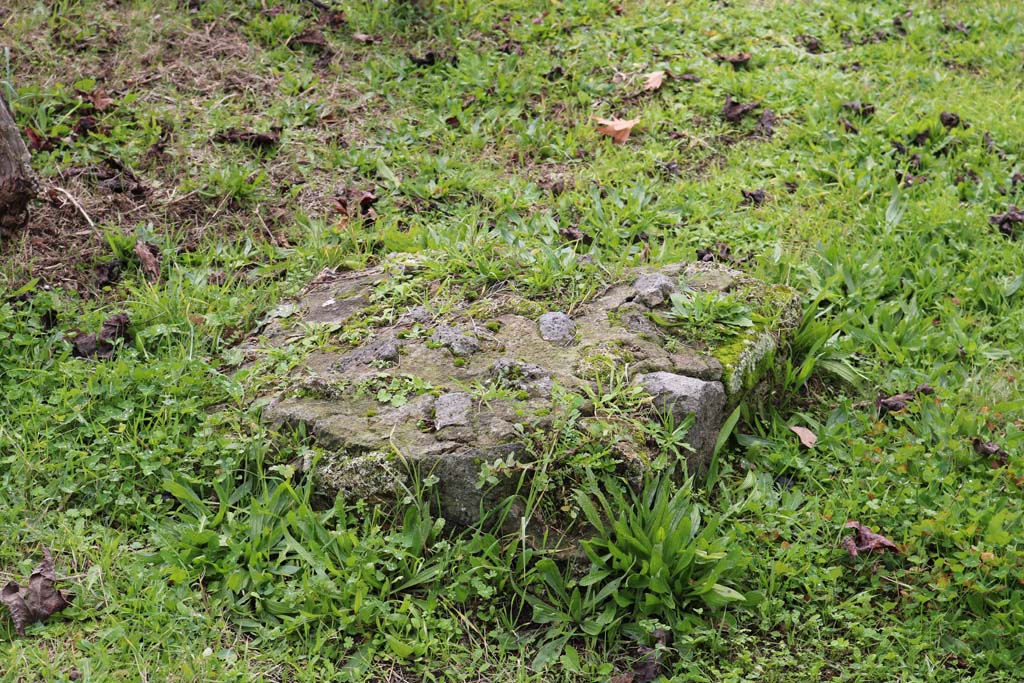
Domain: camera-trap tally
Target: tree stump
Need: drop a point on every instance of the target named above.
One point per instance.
(17, 183)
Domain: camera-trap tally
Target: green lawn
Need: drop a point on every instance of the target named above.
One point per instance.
(193, 552)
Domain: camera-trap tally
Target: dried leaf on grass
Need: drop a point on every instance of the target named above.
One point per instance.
(753, 197)
(101, 346)
(738, 59)
(1008, 222)
(807, 437)
(36, 141)
(898, 402)
(617, 129)
(859, 108)
(766, 125)
(250, 137)
(990, 448)
(149, 257)
(734, 111)
(866, 541)
(38, 600)
(654, 80)
(311, 37)
(100, 101)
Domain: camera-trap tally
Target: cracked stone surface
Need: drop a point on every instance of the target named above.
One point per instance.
(444, 393)
(556, 327)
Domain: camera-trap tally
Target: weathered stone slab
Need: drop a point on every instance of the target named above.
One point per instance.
(442, 394)
(683, 396)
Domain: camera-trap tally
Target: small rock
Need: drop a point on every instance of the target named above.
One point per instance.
(452, 410)
(683, 396)
(557, 328)
(654, 288)
(387, 351)
(455, 341)
(419, 314)
(512, 374)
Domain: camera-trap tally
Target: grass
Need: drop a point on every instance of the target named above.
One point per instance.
(172, 510)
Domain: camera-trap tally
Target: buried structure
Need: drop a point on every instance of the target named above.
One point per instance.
(484, 387)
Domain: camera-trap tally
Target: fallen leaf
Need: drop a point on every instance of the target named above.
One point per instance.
(949, 119)
(332, 19)
(990, 448)
(866, 541)
(959, 27)
(859, 108)
(311, 37)
(807, 437)
(101, 345)
(690, 78)
(109, 273)
(898, 402)
(250, 137)
(738, 59)
(734, 111)
(429, 59)
(753, 197)
(85, 125)
(654, 80)
(574, 234)
(991, 146)
(554, 74)
(670, 168)
(100, 101)
(149, 257)
(617, 129)
(1008, 222)
(766, 125)
(37, 142)
(722, 253)
(810, 43)
(38, 600)
(512, 47)
(648, 668)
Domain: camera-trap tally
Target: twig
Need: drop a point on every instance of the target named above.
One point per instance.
(75, 203)
(898, 583)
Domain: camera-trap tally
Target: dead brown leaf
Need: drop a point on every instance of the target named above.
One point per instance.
(311, 37)
(738, 59)
(653, 80)
(754, 197)
(990, 448)
(149, 257)
(734, 111)
(866, 541)
(617, 129)
(898, 402)
(1008, 222)
(38, 600)
(807, 437)
(100, 101)
(574, 234)
(250, 137)
(37, 142)
(101, 345)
